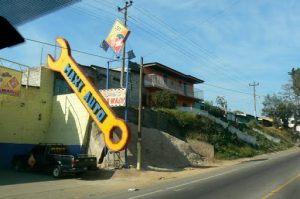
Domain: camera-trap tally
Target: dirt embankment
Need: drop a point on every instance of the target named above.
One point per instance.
(160, 150)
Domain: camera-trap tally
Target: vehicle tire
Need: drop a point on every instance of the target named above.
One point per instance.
(56, 171)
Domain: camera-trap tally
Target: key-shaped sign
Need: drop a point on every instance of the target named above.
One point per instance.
(90, 97)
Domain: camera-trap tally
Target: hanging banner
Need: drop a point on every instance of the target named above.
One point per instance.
(117, 36)
(10, 81)
(114, 97)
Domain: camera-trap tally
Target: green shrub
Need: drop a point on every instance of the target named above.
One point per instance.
(226, 144)
(215, 111)
(164, 99)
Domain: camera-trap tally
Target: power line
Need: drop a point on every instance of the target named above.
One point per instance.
(91, 14)
(186, 53)
(103, 10)
(162, 38)
(158, 35)
(208, 56)
(146, 30)
(107, 2)
(74, 50)
(228, 89)
(14, 62)
(187, 41)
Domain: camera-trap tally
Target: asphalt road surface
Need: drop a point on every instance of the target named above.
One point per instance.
(272, 177)
(275, 176)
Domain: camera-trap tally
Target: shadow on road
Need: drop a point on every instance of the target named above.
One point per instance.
(10, 177)
(100, 174)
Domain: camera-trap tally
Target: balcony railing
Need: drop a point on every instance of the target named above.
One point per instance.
(153, 80)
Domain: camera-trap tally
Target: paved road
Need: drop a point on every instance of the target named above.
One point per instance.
(272, 177)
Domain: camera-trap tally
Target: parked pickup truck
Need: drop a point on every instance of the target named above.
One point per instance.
(54, 158)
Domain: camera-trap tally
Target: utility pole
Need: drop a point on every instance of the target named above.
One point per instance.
(127, 5)
(254, 96)
(139, 133)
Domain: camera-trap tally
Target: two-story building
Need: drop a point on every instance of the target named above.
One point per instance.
(160, 77)
(156, 77)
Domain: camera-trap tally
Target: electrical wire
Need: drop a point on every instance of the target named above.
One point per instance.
(195, 44)
(163, 38)
(74, 50)
(13, 62)
(173, 30)
(144, 29)
(232, 90)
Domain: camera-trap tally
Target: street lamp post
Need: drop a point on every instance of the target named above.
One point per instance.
(131, 55)
(107, 75)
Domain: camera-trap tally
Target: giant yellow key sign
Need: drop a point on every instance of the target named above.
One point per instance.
(90, 97)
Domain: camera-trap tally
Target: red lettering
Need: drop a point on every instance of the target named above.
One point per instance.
(112, 101)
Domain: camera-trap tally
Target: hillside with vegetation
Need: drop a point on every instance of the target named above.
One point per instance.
(227, 145)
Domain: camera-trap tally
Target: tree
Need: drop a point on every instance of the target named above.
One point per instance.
(286, 104)
(292, 93)
(295, 75)
(221, 101)
(164, 99)
(214, 110)
(278, 108)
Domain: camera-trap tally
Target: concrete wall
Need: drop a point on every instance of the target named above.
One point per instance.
(241, 135)
(69, 121)
(269, 137)
(39, 117)
(25, 120)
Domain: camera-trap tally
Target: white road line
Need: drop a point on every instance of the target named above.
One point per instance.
(184, 184)
(179, 189)
(146, 194)
(195, 181)
(201, 179)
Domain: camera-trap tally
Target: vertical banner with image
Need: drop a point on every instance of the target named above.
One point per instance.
(117, 36)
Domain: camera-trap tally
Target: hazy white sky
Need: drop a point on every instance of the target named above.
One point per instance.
(227, 43)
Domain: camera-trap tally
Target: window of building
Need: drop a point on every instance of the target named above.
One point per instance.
(116, 79)
(165, 78)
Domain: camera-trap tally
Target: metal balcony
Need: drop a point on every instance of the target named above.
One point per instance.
(157, 81)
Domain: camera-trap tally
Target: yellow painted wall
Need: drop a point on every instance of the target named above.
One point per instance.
(63, 118)
(69, 120)
(26, 119)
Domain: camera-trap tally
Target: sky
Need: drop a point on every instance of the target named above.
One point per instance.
(227, 43)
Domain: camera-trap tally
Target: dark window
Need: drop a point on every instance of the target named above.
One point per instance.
(116, 79)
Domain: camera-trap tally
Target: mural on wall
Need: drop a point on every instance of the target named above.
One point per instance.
(93, 101)
(10, 81)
